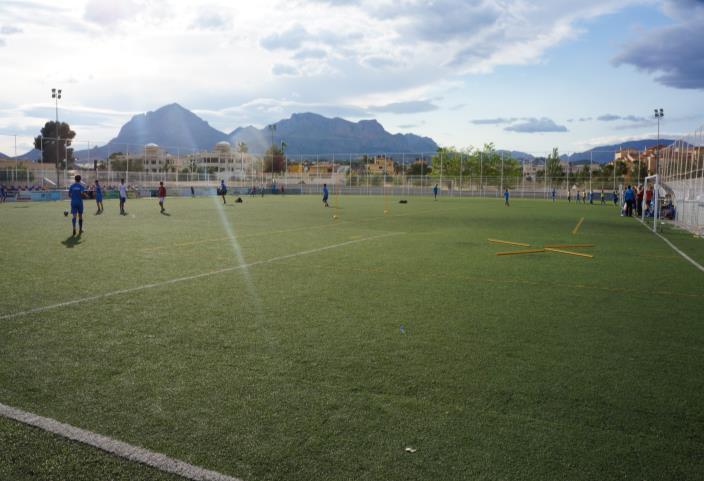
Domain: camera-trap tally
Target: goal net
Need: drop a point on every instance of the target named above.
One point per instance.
(681, 181)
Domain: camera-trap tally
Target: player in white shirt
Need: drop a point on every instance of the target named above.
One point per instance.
(123, 196)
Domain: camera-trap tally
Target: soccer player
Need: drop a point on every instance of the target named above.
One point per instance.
(325, 195)
(75, 193)
(223, 190)
(603, 197)
(569, 195)
(506, 196)
(553, 195)
(193, 192)
(435, 192)
(3, 194)
(578, 196)
(98, 197)
(123, 196)
(162, 195)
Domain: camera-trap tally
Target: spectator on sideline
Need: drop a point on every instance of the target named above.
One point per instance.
(639, 200)
(629, 197)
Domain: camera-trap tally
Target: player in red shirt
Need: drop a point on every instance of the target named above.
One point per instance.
(162, 194)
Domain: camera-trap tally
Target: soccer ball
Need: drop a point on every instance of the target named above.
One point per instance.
(65, 213)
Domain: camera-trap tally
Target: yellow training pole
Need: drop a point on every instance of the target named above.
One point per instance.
(579, 254)
(513, 253)
(568, 245)
(497, 241)
(576, 228)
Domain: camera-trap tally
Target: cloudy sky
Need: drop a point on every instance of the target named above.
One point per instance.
(526, 75)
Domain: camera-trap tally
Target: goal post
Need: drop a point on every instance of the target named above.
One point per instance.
(654, 181)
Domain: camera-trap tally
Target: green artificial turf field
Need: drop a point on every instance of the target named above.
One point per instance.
(341, 342)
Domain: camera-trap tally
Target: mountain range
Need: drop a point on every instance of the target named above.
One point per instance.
(177, 129)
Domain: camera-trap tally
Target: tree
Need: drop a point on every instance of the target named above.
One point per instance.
(242, 148)
(274, 153)
(47, 142)
(419, 168)
(553, 169)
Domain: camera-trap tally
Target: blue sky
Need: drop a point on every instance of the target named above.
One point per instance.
(525, 75)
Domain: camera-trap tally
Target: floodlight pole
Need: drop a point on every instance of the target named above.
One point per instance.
(272, 129)
(56, 95)
(658, 115)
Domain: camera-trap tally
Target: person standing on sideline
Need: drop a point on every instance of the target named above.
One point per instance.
(162, 195)
(553, 195)
(76, 191)
(584, 197)
(98, 197)
(123, 196)
(223, 191)
(615, 198)
(325, 195)
(630, 197)
(193, 192)
(435, 192)
(578, 196)
(603, 197)
(506, 196)
(569, 195)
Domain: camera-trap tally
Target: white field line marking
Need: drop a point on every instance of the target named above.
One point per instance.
(193, 277)
(674, 247)
(113, 446)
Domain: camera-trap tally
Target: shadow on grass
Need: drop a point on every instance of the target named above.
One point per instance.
(72, 242)
(166, 214)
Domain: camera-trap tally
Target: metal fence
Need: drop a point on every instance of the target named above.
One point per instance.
(681, 171)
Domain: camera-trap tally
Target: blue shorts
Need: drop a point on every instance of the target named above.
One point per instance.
(98, 198)
(77, 208)
(122, 200)
(325, 197)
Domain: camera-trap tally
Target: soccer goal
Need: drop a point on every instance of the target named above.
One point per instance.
(651, 200)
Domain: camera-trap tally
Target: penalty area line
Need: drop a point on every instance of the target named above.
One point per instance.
(193, 277)
(113, 446)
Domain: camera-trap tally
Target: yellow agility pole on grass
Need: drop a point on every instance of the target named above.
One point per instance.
(579, 254)
(576, 228)
(498, 241)
(559, 246)
(514, 253)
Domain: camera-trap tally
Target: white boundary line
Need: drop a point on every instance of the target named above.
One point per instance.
(675, 248)
(113, 446)
(190, 278)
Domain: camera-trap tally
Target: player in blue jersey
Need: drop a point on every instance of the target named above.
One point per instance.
(98, 197)
(325, 195)
(506, 196)
(76, 192)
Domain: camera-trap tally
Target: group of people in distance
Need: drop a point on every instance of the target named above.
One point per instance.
(633, 199)
(77, 192)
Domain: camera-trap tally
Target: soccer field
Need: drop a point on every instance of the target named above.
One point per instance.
(269, 341)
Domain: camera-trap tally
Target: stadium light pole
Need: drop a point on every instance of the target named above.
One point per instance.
(56, 95)
(272, 129)
(658, 115)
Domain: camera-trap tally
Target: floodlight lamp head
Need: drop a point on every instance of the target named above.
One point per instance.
(662, 114)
